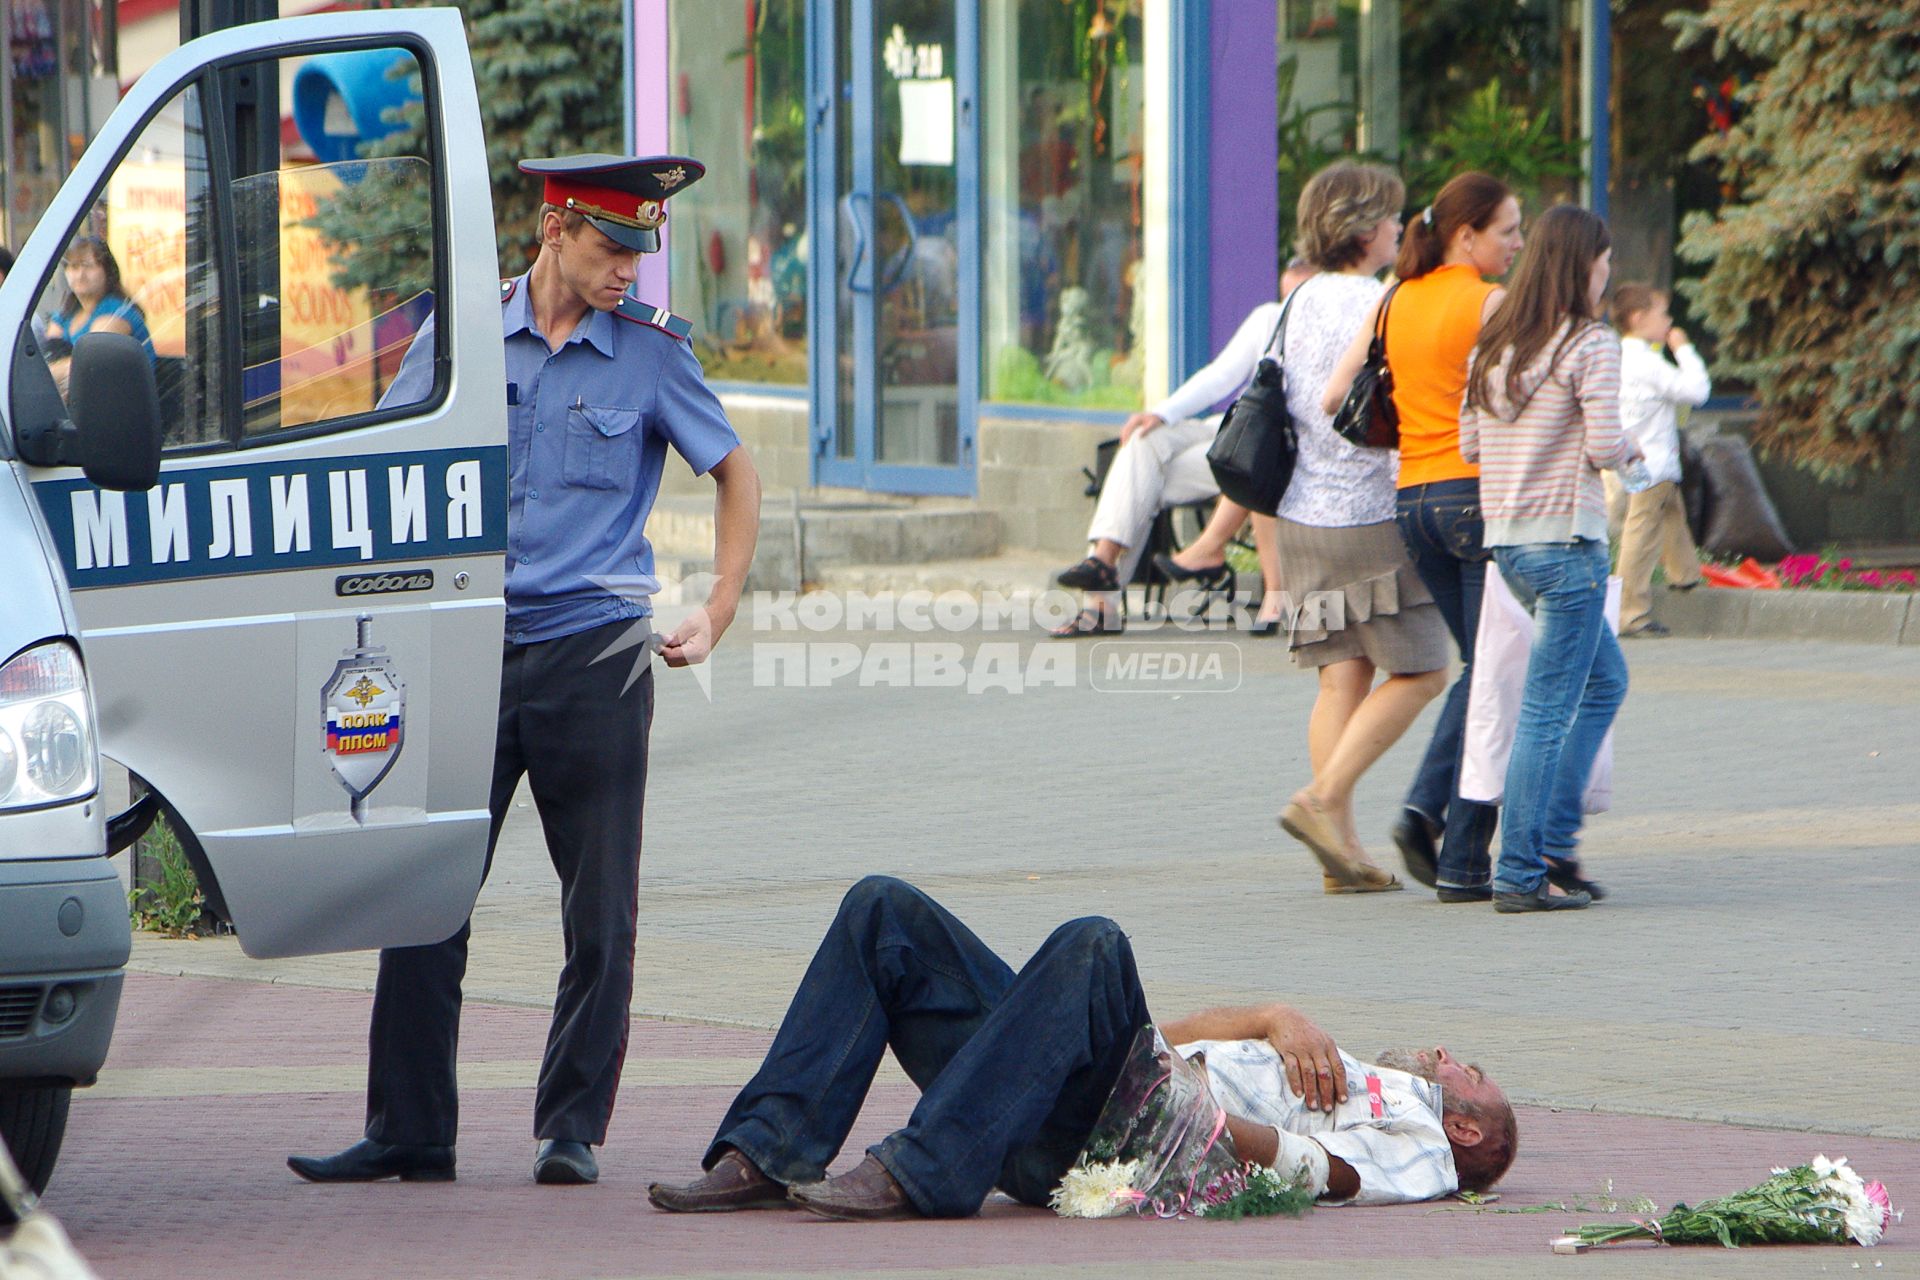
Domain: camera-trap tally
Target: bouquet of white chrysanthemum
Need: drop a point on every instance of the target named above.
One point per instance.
(1823, 1202)
(1161, 1146)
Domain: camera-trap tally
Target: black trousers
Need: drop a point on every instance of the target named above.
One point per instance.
(582, 745)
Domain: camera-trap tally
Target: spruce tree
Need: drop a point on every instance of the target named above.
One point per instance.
(1812, 279)
(551, 79)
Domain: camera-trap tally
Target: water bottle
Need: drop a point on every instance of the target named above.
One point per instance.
(1635, 478)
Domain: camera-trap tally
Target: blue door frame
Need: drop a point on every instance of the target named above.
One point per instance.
(828, 96)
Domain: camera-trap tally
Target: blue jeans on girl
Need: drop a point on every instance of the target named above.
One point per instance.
(1576, 681)
(1441, 525)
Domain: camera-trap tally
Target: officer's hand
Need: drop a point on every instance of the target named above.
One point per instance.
(1139, 424)
(1314, 1069)
(690, 642)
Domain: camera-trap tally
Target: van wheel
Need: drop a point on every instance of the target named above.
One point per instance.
(32, 1123)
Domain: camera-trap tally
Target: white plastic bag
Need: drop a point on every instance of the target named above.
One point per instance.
(1499, 684)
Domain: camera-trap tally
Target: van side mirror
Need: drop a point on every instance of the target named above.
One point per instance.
(116, 406)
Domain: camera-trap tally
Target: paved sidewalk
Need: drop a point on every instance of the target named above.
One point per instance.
(1762, 855)
(174, 1167)
(1754, 964)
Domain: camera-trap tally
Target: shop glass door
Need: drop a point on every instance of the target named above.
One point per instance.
(892, 161)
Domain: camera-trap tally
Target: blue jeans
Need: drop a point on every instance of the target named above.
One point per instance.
(1576, 681)
(1013, 1070)
(1441, 525)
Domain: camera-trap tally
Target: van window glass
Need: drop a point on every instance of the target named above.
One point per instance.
(335, 238)
(142, 261)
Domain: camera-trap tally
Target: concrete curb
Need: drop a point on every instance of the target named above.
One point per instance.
(1844, 617)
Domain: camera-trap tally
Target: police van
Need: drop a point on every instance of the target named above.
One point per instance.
(229, 561)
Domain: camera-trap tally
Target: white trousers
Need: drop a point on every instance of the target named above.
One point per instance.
(1163, 468)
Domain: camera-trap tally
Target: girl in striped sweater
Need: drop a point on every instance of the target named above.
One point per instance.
(1542, 418)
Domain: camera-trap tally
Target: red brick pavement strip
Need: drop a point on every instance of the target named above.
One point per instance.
(196, 1186)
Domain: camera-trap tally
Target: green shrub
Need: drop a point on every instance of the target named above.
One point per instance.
(173, 904)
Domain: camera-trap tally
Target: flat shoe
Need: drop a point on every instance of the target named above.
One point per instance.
(867, 1194)
(1375, 885)
(733, 1183)
(1538, 900)
(561, 1162)
(1565, 876)
(370, 1161)
(1414, 836)
(1308, 824)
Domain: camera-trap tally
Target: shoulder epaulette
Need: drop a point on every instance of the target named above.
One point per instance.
(506, 290)
(658, 317)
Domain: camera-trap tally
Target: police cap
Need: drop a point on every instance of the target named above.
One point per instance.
(624, 197)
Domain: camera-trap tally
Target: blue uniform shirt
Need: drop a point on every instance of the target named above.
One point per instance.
(586, 442)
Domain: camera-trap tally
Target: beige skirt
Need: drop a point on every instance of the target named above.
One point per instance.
(1353, 593)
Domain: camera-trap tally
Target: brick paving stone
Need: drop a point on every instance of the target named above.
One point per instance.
(1756, 947)
(195, 1184)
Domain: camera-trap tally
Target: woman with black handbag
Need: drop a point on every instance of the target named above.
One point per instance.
(1470, 232)
(1359, 609)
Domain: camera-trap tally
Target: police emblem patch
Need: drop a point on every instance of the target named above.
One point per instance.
(363, 707)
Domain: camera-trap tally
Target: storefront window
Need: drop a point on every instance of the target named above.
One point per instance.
(738, 243)
(1061, 151)
(1664, 102)
(57, 85)
(1438, 86)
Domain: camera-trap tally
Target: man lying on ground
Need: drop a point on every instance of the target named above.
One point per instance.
(1014, 1069)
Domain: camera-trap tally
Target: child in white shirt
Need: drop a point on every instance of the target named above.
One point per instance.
(1651, 392)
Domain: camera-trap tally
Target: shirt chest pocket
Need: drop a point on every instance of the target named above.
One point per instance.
(602, 447)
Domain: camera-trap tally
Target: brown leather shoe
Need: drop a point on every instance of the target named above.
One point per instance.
(868, 1194)
(734, 1182)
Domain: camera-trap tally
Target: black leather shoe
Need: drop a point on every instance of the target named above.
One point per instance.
(1414, 836)
(1449, 893)
(1538, 900)
(560, 1162)
(370, 1161)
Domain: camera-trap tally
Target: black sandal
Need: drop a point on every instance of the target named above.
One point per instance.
(1091, 574)
(1090, 622)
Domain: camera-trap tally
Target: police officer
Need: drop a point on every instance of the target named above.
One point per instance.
(598, 386)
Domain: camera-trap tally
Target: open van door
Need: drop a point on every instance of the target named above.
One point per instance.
(294, 637)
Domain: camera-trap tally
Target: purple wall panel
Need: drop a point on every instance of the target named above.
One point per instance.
(1244, 204)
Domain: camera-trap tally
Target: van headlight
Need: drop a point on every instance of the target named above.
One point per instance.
(47, 751)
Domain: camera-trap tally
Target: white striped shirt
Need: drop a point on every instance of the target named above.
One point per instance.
(1540, 461)
(1402, 1154)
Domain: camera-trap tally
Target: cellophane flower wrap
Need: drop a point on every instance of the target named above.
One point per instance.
(1161, 1146)
(1821, 1202)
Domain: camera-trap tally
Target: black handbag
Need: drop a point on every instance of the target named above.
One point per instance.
(1367, 417)
(1252, 457)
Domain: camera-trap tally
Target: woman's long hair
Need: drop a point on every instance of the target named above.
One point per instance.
(97, 247)
(1549, 290)
(1468, 200)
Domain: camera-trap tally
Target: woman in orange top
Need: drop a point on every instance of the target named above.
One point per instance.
(1469, 232)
